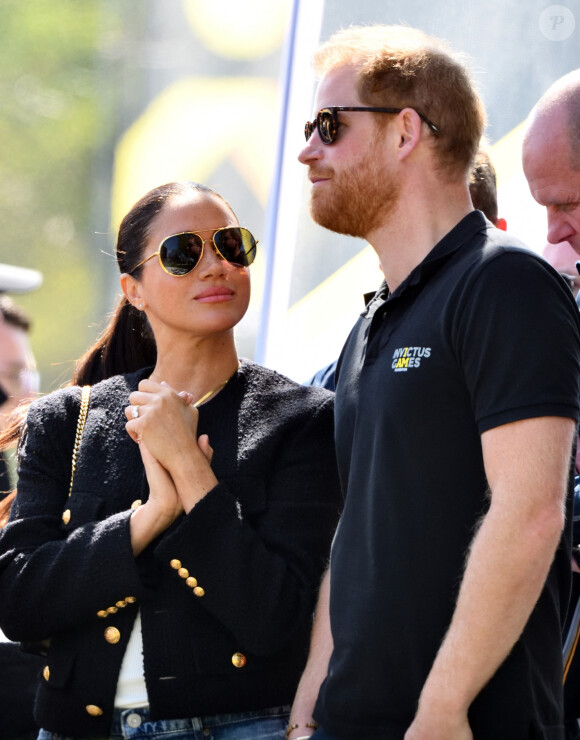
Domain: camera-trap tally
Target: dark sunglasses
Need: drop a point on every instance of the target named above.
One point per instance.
(179, 254)
(327, 121)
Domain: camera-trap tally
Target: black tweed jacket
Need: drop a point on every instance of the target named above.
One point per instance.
(226, 593)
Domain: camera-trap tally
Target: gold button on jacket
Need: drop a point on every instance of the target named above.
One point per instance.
(46, 673)
(94, 710)
(239, 660)
(66, 516)
(112, 635)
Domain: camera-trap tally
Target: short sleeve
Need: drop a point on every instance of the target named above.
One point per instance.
(517, 336)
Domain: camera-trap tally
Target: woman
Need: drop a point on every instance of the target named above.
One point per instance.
(177, 580)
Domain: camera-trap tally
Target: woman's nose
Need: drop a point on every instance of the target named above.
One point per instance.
(211, 262)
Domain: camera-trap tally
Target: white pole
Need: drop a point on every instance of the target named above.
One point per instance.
(284, 204)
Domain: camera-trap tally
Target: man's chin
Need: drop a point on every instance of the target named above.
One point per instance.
(333, 221)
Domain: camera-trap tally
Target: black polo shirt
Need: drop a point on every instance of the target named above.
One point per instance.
(482, 333)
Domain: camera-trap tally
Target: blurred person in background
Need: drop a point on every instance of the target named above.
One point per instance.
(551, 158)
(483, 188)
(18, 375)
(551, 162)
(18, 383)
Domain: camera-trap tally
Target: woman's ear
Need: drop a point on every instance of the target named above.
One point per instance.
(131, 288)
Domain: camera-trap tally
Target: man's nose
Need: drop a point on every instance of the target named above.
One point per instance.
(312, 149)
(559, 227)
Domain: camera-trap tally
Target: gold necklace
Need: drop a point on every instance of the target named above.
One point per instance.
(216, 389)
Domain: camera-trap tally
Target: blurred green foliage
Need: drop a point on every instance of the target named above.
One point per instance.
(57, 125)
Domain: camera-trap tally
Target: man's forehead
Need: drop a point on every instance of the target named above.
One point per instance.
(338, 87)
(546, 155)
(546, 138)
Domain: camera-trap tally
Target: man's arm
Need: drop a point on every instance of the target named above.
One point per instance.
(317, 666)
(527, 465)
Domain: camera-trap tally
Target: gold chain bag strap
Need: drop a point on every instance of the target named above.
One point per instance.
(40, 647)
(84, 409)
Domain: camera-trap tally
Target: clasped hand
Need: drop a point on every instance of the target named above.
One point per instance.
(177, 463)
(166, 422)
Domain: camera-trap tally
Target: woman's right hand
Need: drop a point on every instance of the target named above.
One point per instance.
(162, 507)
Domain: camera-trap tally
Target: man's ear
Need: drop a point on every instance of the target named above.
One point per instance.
(410, 131)
(132, 290)
(501, 223)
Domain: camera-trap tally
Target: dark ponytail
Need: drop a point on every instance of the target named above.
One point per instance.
(127, 344)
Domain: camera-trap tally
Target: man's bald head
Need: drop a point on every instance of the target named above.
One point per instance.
(551, 157)
(559, 109)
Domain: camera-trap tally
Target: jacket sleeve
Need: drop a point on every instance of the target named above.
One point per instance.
(254, 549)
(52, 579)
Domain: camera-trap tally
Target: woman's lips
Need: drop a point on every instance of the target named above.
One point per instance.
(215, 295)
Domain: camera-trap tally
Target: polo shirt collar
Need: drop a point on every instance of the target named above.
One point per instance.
(469, 225)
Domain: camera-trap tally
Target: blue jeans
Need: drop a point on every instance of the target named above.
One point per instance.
(134, 724)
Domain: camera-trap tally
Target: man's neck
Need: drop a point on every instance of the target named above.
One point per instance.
(415, 228)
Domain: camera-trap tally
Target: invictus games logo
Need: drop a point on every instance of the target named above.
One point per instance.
(406, 358)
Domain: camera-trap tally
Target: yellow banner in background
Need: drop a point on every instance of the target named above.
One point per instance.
(189, 130)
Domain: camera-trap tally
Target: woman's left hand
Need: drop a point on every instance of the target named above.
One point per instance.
(167, 422)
